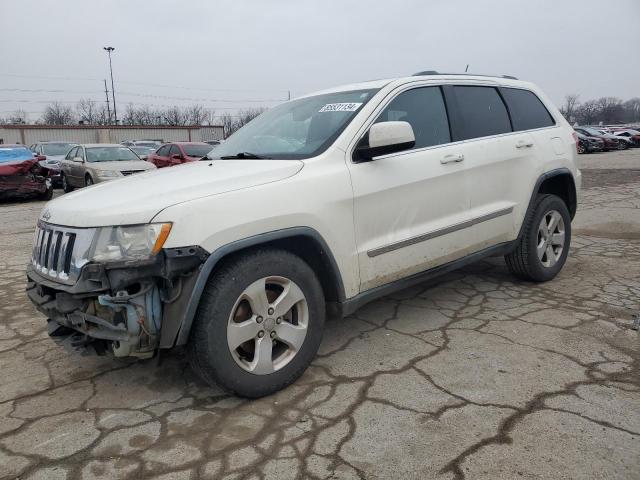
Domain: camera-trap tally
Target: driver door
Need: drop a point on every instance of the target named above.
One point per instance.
(411, 208)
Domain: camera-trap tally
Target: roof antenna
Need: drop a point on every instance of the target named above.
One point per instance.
(466, 69)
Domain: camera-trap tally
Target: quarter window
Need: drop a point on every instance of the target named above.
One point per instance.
(425, 111)
(527, 111)
(483, 111)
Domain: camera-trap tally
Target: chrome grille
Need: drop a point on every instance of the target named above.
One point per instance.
(130, 172)
(60, 252)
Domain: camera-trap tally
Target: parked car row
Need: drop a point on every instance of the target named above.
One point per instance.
(592, 139)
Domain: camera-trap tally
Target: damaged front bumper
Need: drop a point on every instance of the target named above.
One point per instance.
(128, 308)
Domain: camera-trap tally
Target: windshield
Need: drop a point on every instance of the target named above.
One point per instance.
(196, 150)
(15, 154)
(56, 148)
(148, 144)
(298, 129)
(110, 154)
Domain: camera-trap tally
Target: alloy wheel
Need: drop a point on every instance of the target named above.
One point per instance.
(551, 238)
(267, 325)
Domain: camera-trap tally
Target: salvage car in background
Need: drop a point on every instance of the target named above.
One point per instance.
(610, 141)
(22, 174)
(632, 135)
(587, 144)
(52, 154)
(92, 163)
(179, 152)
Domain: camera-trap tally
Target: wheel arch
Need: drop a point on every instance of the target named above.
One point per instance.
(559, 182)
(305, 242)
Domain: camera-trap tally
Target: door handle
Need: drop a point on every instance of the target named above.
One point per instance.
(452, 158)
(523, 144)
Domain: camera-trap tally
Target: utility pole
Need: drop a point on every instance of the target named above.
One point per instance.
(113, 90)
(106, 93)
(288, 94)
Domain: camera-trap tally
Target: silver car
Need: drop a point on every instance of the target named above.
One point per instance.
(92, 163)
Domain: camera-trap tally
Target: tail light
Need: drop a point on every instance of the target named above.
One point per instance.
(576, 139)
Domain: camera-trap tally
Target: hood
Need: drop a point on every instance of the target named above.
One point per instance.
(138, 198)
(121, 165)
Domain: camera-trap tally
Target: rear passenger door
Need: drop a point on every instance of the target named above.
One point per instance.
(411, 208)
(502, 166)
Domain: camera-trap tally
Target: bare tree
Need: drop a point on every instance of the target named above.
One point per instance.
(611, 110)
(588, 112)
(58, 114)
(632, 110)
(19, 116)
(231, 123)
(91, 112)
(568, 110)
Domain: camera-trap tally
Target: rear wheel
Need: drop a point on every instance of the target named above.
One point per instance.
(65, 184)
(259, 323)
(543, 247)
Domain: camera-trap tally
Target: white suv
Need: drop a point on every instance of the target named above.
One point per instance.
(314, 208)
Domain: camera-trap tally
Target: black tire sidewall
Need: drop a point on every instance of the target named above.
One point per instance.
(538, 270)
(88, 181)
(216, 361)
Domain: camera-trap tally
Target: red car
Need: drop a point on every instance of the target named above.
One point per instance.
(177, 153)
(23, 174)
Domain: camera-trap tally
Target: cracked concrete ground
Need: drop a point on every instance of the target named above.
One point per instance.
(478, 376)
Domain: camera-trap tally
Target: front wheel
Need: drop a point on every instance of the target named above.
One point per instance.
(544, 244)
(66, 187)
(47, 195)
(88, 181)
(259, 323)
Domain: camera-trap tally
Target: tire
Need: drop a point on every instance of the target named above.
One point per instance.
(211, 345)
(524, 261)
(65, 184)
(48, 195)
(581, 148)
(88, 181)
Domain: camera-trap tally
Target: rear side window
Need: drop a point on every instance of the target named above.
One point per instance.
(527, 111)
(424, 109)
(483, 111)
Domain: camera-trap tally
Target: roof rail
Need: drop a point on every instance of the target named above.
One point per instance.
(433, 72)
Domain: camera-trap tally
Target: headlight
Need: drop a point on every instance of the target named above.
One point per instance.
(134, 242)
(106, 173)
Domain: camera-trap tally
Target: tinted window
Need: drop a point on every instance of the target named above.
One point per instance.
(527, 111)
(424, 109)
(175, 150)
(483, 111)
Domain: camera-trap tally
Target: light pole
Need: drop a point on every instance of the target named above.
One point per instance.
(113, 91)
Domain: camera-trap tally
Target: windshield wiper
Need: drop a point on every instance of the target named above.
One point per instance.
(248, 155)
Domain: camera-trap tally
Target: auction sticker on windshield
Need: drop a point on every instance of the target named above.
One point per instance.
(340, 107)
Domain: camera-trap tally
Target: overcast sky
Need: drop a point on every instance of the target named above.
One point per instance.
(240, 53)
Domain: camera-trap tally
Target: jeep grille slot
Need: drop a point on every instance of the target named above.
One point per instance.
(59, 252)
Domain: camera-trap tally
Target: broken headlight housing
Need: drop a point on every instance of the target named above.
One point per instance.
(130, 242)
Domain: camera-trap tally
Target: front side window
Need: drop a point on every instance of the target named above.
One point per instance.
(527, 111)
(424, 109)
(110, 154)
(71, 154)
(297, 129)
(163, 151)
(482, 110)
(175, 150)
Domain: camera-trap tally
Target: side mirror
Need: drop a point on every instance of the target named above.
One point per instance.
(41, 157)
(384, 138)
(176, 156)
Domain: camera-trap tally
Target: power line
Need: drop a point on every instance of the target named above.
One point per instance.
(146, 84)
